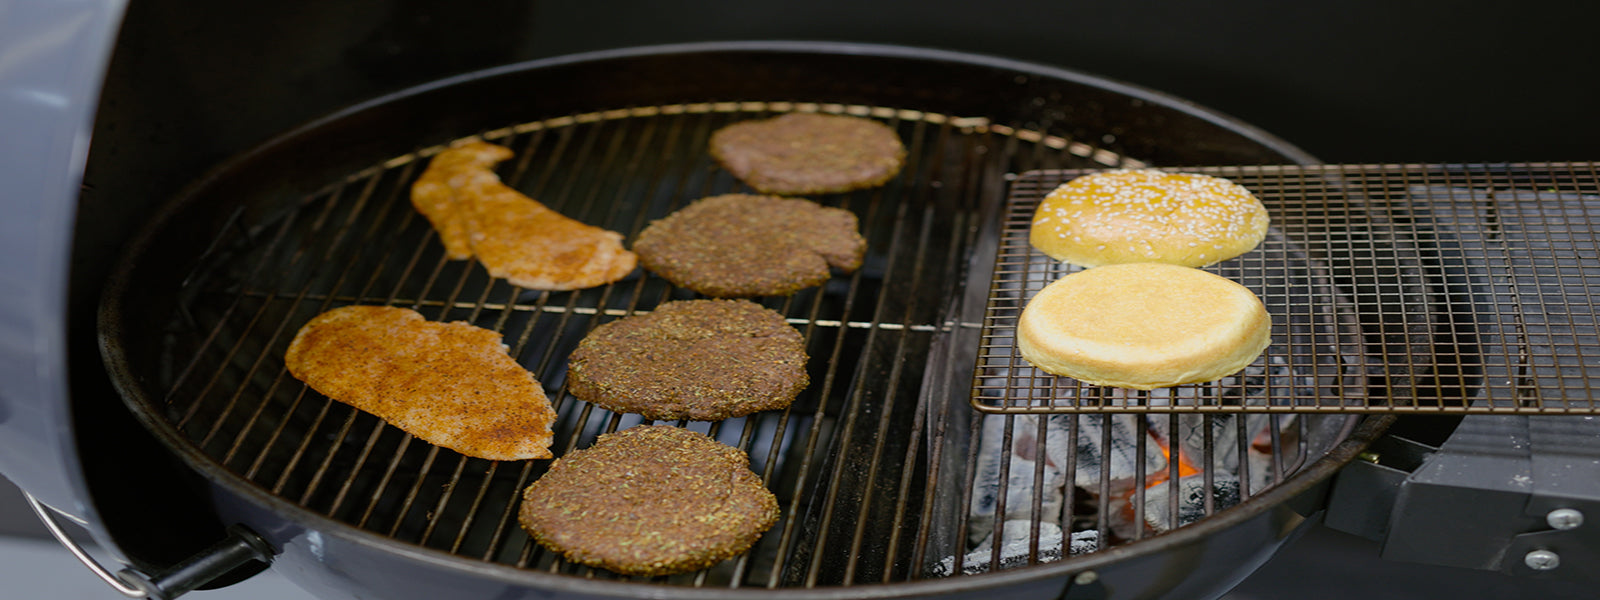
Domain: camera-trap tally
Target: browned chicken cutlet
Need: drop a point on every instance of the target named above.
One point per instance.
(450, 384)
(513, 236)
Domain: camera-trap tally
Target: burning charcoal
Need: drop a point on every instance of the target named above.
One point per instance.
(1019, 486)
(1013, 548)
(1122, 461)
(1191, 499)
(1191, 437)
(1224, 436)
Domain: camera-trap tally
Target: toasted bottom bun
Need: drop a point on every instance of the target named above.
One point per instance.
(1143, 326)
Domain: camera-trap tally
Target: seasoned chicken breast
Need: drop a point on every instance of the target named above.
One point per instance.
(450, 384)
(515, 237)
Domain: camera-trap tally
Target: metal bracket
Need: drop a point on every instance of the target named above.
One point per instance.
(240, 547)
(1519, 495)
(1365, 491)
(1565, 462)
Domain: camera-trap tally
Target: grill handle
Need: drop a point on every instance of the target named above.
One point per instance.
(239, 548)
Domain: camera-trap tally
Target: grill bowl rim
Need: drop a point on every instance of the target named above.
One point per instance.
(124, 279)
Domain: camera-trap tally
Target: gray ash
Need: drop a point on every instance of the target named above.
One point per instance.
(1015, 548)
(1192, 492)
(1019, 481)
(1122, 460)
(1105, 467)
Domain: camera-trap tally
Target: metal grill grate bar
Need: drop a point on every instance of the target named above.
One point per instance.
(847, 508)
(803, 535)
(898, 360)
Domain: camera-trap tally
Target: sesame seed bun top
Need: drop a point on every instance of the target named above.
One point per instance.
(1144, 215)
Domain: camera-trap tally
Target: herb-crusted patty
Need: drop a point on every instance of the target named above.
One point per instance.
(649, 500)
(808, 153)
(704, 360)
(738, 245)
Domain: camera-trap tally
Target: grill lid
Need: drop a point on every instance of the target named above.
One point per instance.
(48, 91)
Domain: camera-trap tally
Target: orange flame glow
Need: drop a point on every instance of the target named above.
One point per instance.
(1185, 468)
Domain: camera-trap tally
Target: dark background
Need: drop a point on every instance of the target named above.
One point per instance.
(1348, 81)
(192, 83)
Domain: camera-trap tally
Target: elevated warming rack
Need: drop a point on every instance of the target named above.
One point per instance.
(1422, 289)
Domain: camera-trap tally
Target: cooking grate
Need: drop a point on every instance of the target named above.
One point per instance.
(1433, 289)
(873, 472)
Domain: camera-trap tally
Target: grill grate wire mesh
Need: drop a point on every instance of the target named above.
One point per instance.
(1448, 288)
(1424, 289)
(860, 463)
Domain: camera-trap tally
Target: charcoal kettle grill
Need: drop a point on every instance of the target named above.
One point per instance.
(1381, 275)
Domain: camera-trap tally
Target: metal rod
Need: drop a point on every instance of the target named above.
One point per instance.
(942, 378)
(1069, 512)
(997, 524)
(790, 519)
(1174, 473)
(366, 238)
(857, 386)
(78, 551)
(1140, 440)
(898, 359)
(1209, 471)
(1103, 515)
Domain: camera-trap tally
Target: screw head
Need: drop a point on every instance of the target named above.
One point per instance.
(1542, 560)
(1086, 578)
(1564, 518)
